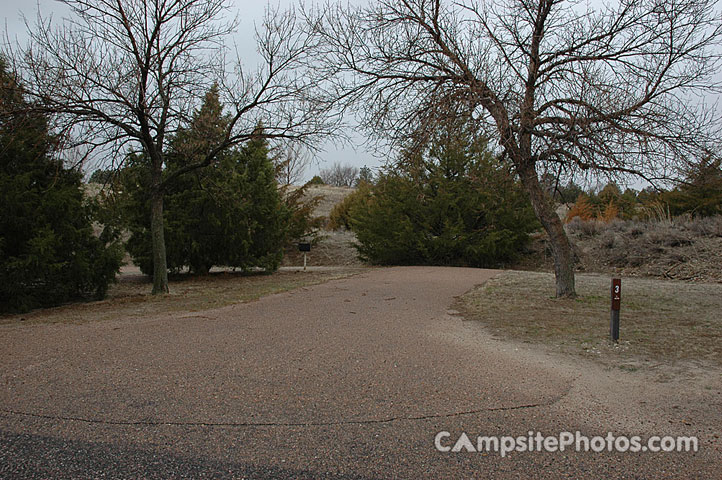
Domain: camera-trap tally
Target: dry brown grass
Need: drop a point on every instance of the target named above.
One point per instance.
(684, 249)
(662, 322)
(334, 248)
(680, 249)
(331, 197)
(130, 297)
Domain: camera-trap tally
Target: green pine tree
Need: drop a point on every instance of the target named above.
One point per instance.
(229, 214)
(701, 193)
(448, 203)
(48, 251)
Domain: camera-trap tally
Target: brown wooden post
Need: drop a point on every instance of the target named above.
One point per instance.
(616, 304)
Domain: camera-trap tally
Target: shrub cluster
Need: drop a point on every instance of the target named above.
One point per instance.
(699, 195)
(449, 203)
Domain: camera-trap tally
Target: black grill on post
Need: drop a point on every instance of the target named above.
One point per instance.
(304, 247)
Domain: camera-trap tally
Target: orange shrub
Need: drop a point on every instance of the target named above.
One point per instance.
(611, 211)
(583, 209)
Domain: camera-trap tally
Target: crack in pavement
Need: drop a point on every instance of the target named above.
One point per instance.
(285, 424)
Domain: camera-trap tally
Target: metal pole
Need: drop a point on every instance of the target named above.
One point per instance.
(304, 261)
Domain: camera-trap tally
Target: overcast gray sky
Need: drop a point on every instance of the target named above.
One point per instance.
(250, 12)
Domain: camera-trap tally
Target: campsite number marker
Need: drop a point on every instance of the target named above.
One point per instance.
(616, 304)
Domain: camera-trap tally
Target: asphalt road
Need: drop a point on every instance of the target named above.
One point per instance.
(350, 379)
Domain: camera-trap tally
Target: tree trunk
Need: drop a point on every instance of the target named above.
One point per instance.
(160, 267)
(561, 247)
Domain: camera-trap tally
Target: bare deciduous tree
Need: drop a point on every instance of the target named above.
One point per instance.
(129, 73)
(291, 160)
(339, 175)
(558, 85)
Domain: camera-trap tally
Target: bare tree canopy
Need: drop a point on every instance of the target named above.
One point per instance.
(291, 160)
(129, 73)
(339, 175)
(559, 86)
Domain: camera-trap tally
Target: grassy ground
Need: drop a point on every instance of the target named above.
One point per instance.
(130, 297)
(662, 322)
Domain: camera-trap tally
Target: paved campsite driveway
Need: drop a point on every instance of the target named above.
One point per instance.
(349, 379)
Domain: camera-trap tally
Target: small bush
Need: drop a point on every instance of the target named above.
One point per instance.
(703, 226)
(611, 211)
(585, 228)
(316, 180)
(636, 229)
(574, 225)
(658, 212)
(340, 216)
(670, 236)
(609, 240)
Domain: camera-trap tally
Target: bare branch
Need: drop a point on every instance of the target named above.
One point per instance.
(339, 175)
